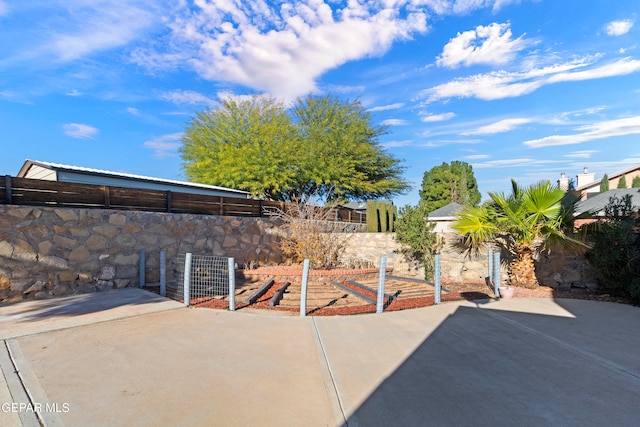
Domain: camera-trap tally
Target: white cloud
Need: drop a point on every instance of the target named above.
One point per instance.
(394, 122)
(97, 26)
(491, 44)
(281, 49)
(583, 154)
(501, 126)
(74, 92)
(514, 163)
(605, 129)
(4, 8)
(165, 146)
(387, 107)
(618, 28)
(504, 84)
(187, 97)
(477, 157)
(80, 131)
(397, 144)
(133, 111)
(431, 118)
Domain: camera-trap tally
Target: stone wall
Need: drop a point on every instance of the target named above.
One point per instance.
(47, 251)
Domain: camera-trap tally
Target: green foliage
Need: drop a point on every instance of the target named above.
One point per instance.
(535, 217)
(448, 183)
(322, 146)
(616, 249)
(381, 217)
(415, 232)
(622, 183)
(635, 183)
(604, 183)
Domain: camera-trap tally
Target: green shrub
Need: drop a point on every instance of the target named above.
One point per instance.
(616, 249)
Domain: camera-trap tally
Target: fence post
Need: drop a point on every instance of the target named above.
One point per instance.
(490, 264)
(303, 292)
(232, 284)
(142, 267)
(163, 273)
(8, 189)
(187, 278)
(436, 276)
(496, 273)
(381, 277)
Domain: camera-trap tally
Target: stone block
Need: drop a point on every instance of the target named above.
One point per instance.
(104, 285)
(53, 262)
(108, 272)
(42, 295)
(6, 249)
(108, 230)
(122, 283)
(97, 243)
(20, 285)
(124, 240)
(20, 213)
(66, 214)
(117, 219)
(36, 287)
(61, 289)
(68, 276)
(65, 242)
(79, 255)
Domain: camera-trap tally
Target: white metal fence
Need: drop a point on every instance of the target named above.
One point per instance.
(203, 278)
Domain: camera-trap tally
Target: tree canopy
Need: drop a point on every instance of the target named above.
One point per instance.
(322, 146)
(448, 183)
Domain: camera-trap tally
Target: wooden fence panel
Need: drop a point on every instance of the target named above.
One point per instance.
(24, 191)
(137, 199)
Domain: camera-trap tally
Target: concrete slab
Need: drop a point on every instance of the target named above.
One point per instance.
(185, 367)
(522, 362)
(60, 313)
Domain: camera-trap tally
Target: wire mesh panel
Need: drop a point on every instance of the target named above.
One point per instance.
(207, 278)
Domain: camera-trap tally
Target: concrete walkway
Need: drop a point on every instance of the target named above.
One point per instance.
(524, 362)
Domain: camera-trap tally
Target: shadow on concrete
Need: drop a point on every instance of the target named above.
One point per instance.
(81, 304)
(495, 366)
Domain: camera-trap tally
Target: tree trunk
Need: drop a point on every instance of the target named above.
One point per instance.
(523, 271)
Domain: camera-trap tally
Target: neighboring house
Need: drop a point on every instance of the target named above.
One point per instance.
(593, 208)
(64, 173)
(588, 186)
(444, 217)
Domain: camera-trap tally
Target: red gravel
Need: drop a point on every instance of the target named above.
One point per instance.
(469, 293)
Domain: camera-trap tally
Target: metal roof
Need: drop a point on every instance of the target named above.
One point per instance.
(595, 204)
(122, 175)
(447, 211)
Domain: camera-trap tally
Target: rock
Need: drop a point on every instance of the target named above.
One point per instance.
(36, 287)
(61, 290)
(122, 283)
(6, 249)
(104, 285)
(42, 295)
(66, 214)
(108, 272)
(68, 276)
(117, 219)
(79, 255)
(564, 287)
(571, 276)
(20, 285)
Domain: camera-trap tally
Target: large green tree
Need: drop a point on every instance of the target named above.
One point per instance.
(448, 183)
(323, 146)
(524, 223)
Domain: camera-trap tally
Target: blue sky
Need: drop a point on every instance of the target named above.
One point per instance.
(523, 89)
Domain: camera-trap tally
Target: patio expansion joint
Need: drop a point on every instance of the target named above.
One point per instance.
(635, 376)
(332, 390)
(25, 388)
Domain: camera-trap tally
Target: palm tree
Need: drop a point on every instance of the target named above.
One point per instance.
(524, 223)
